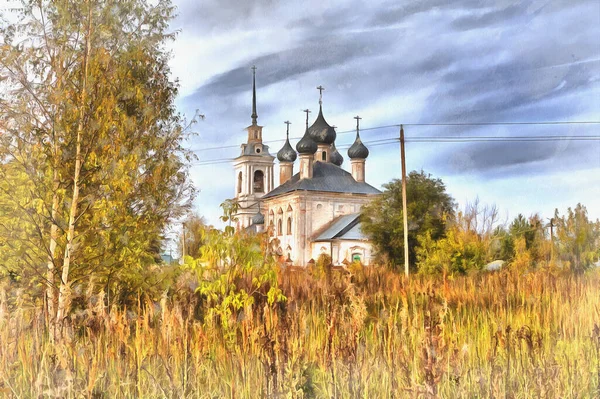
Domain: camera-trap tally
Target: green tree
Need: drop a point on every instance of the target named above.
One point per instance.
(90, 125)
(428, 205)
(195, 234)
(235, 273)
(577, 238)
(467, 245)
(230, 208)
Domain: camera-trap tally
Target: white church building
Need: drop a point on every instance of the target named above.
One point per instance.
(314, 211)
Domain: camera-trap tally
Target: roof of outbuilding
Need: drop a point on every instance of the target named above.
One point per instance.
(345, 227)
(327, 177)
(259, 218)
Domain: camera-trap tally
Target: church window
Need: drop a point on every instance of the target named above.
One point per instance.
(324, 155)
(239, 185)
(279, 227)
(271, 228)
(289, 226)
(259, 181)
(319, 206)
(258, 150)
(356, 257)
(256, 135)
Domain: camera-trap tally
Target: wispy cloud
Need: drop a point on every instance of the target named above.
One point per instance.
(426, 61)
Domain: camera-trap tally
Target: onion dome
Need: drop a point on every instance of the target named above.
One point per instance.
(358, 149)
(306, 145)
(336, 157)
(287, 153)
(259, 218)
(320, 131)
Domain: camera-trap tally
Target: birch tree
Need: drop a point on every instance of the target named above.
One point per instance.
(88, 121)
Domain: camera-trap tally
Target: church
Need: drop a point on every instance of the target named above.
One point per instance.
(314, 211)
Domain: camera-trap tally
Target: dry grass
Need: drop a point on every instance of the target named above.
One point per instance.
(374, 335)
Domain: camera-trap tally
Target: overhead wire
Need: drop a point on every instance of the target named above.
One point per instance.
(541, 123)
(438, 139)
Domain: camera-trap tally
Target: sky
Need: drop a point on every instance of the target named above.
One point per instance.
(409, 62)
(428, 61)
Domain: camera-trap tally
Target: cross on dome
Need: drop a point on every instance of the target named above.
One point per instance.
(320, 88)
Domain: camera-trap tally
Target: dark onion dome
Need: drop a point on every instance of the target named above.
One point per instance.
(259, 218)
(336, 157)
(358, 149)
(287, 153)
(306, 145)
(320, 131)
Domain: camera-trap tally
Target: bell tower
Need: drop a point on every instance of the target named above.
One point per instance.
(253, 169)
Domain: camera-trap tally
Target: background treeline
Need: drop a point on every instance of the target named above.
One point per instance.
(445, 240)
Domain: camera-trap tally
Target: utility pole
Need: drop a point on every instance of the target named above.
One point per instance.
(551, 240)
(404, 214)
(182, 260)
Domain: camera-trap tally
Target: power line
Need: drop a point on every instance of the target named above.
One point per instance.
(441, 139)
(541, 123)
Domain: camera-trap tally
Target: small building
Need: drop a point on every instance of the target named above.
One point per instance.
(314, 211)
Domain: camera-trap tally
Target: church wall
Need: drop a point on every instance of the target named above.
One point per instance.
(280, 209)
(341, 250)
(310, 212)
(247, 198)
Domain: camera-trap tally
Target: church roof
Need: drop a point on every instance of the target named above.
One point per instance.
(306, 145)
(327, 177)
(358, 150)
(320, 131)
(250, 149)
(287, 153)
(336, 157)
(345, 227)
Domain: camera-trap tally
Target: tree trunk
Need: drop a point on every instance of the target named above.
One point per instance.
(64, 295)
(51, 269)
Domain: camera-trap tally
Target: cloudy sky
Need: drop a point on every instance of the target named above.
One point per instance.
(392, 62)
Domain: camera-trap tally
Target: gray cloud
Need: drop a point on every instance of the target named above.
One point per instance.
(506, 61)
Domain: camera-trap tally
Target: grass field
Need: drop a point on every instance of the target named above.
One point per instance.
(366, 335)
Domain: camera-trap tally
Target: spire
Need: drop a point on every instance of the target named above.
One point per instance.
(254, 115)
(287, 133)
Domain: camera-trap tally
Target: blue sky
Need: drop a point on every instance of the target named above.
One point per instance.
(393, 62)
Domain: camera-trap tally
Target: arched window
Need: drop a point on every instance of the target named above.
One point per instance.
(255, 135)
(279, 227)
(271, 228)
(356, 257)
(239, 188)
(259, 181)
(289, 226)
(324, 155)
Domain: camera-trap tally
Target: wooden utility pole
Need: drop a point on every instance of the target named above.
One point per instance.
(182, 261)
(404, 213)
(552, 240)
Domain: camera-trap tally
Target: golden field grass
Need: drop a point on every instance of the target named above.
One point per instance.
(370, 334)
